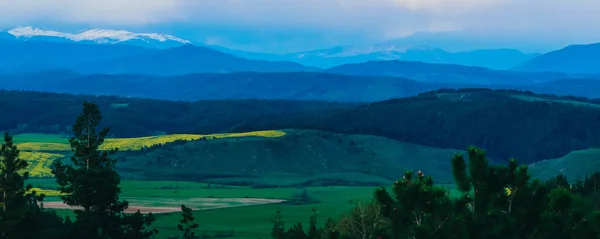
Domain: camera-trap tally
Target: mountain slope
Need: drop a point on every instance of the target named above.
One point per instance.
(444, 73)
(574, 59)
(99, 36)
(186, 59)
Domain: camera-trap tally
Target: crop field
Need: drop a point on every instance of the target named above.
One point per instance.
(40, 162)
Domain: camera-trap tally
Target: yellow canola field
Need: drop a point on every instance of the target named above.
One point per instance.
(48, 193)
(34, 146)
(132, 144)
(39, 163)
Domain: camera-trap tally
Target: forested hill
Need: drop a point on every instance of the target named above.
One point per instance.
(507, 123)
(35, 112)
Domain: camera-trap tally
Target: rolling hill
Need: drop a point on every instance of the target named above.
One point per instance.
(573, 59)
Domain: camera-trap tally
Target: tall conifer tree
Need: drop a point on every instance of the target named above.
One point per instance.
(91, 181)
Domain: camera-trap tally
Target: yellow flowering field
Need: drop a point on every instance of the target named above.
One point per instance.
(48, 193)
(39, 163)
(132, 144)
(34, 146)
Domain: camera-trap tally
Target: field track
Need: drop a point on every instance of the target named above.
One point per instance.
(199, 204)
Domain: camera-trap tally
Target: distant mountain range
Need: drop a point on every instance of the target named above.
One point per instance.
(489, 58)
(574, 59)
(444, 73)
(325, 58)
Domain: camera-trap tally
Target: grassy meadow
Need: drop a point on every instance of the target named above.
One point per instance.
(328, 201)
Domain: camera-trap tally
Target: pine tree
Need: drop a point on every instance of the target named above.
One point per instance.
(136, 226)
(278, 230)
(15, 201)
(91, 181)
(187, 225)
(313, 232)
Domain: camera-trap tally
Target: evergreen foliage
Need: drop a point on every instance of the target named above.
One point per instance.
(187, 224)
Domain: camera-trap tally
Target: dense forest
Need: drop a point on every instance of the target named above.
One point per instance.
(508, 124)
(26, 112)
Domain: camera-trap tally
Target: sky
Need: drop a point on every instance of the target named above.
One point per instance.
(298, 25)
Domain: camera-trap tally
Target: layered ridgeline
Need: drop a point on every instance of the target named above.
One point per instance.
(526, 126)
(335, 86)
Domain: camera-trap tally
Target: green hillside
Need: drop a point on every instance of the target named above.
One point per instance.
(258, 159)
(298, 158)
(574, 165)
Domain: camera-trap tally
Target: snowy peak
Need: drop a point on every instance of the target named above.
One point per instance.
(102, 36)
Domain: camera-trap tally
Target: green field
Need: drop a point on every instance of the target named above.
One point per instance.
(329, 202)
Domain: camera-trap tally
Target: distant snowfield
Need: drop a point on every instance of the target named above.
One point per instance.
(96, 35)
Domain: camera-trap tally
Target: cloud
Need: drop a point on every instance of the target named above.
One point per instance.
(369, 19)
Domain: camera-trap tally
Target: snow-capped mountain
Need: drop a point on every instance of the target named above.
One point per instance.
(99, 36)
